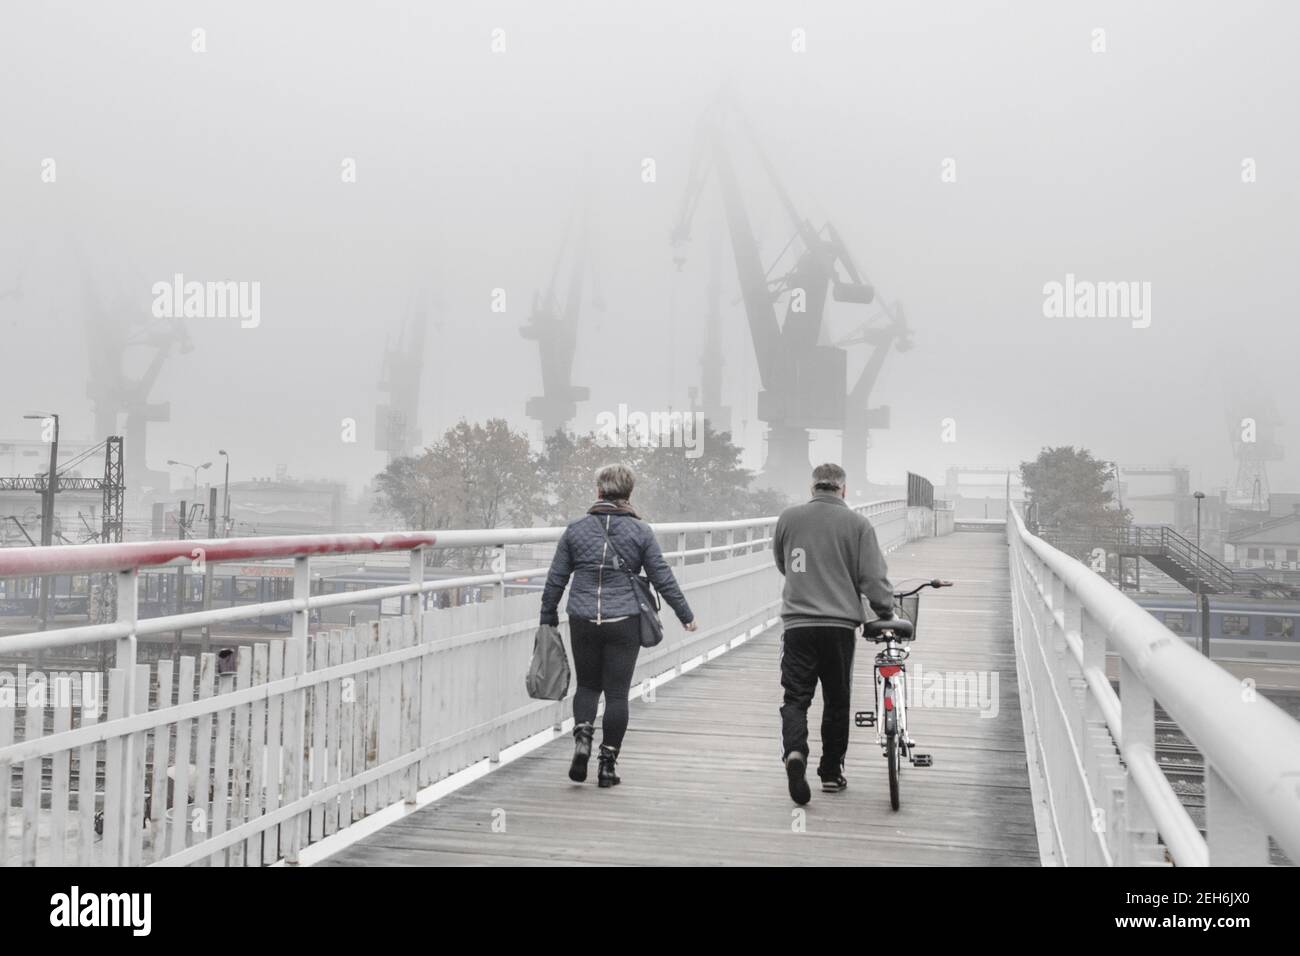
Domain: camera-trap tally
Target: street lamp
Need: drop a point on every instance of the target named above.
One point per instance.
(206, 464)
(225, 506)
(1199, 496)
(1202, 599)
(47, 507)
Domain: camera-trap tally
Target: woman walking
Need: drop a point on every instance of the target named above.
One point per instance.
(598, 551)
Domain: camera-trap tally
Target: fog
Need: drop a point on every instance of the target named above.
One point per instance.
(1122, 165)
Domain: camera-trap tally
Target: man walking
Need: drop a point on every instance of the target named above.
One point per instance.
(831, 562)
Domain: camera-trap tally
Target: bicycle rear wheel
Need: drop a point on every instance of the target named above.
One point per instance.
(891, 752)
(891, 748)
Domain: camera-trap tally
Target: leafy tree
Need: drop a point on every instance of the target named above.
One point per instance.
(1067, 490)
(484, 476)
(404, 490)
(710, 487)
(567, 469)
(476, 476)
(670, 485)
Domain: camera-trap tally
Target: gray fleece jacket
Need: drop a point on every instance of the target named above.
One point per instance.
(831, 561)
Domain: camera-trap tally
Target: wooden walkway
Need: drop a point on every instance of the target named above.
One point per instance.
(702, 777)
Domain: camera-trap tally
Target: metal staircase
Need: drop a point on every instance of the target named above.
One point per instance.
(1177, 557)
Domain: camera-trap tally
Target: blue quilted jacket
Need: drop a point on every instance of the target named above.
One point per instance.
(600, 589)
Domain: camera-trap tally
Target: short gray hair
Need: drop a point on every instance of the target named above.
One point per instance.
(828, 477)
(615, 482)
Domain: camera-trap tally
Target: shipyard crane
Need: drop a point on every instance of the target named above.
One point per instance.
(553, 325)
(397, 430)
(804, 383)
(712, 360)
(859, 417)
(121, 400)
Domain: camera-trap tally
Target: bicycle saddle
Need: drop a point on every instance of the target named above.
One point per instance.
(899, 626)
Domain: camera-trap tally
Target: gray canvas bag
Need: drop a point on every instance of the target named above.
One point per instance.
(548, 673)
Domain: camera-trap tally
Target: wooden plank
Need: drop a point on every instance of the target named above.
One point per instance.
(136, 831)
(373, 705)
(319, 752)
(221, 770)
(334, 731)
(87, 774)
(349, 739)
(360, 719)
(183, 780)
(205, 786)
(240, 750)
(114, 771)
(428, 700)
(33, 729)
(410, 712)
(59, 781)
(161, 764)
(390, 714)
(274, 753)
(257, 755)
(295, 706)
(8, 707)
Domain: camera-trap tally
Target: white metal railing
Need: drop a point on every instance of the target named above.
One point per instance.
(1092, 752)
(246, 760)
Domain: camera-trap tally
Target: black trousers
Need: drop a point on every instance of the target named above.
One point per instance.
(604, 657)
(810, 654)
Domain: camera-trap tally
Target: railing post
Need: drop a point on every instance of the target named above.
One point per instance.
(1057, 603)
(708, 545)
(500, 584)
(1138, 729)
(301, 591)
(128, 604)
(749, 539)
(296, 730)
(681, 548)
(731, 543)
(1232, 836)
(415, 603)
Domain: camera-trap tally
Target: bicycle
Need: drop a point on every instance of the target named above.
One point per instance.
(890, 684)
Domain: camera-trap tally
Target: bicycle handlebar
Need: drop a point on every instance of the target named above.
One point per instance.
(936, 583)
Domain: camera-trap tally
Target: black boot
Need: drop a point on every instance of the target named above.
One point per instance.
(581, 751)
(605, 775)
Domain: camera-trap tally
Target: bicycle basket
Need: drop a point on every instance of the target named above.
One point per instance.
(910, 608)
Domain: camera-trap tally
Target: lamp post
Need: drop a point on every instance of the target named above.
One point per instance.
(206, 464)
(47, 507)
(1199, 496)
(1202, 599)
(225, 505)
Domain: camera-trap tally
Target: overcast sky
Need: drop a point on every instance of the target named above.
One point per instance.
(1122, 165)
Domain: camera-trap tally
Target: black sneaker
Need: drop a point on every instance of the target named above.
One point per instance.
(834, 784)
(795, 765)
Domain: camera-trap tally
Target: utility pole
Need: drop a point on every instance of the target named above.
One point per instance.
(1202, 599)
(47, 509)
(207, 566)
(225, 506)
(180, 579)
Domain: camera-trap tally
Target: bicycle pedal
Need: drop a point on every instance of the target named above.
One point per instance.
(922, 760)
(865, 718)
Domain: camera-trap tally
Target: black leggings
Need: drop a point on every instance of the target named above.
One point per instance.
(604, 656)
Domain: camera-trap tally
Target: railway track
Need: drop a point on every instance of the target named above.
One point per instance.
(1184, 765)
